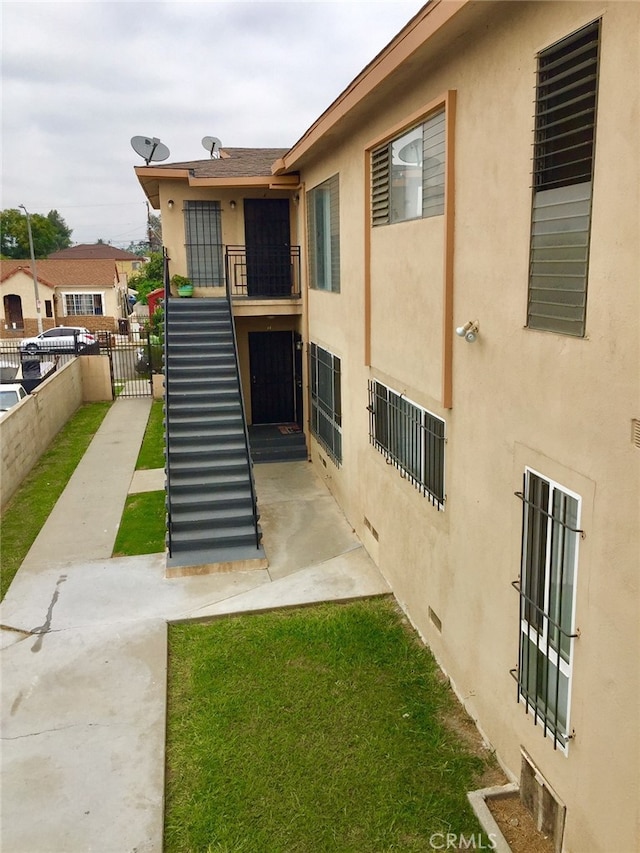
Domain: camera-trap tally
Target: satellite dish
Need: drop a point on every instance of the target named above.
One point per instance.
(149, 148)
(411, 153)
(212, 145)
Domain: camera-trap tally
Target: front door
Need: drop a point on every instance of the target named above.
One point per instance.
(267, 236)
(13, 311)
(273, 387)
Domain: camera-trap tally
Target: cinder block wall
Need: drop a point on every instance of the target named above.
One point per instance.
(27, 430)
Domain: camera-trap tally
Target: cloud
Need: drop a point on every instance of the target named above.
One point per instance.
(81, 78)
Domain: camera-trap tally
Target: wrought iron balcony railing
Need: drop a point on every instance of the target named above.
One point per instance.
(263, 272)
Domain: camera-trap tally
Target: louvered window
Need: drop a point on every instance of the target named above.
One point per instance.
(323, 214)
(203, 242)
(562, 183)
(407, 174)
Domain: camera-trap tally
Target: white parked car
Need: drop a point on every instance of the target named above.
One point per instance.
(10, 395)
(60, 339)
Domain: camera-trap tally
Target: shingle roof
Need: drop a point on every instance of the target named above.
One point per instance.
(233, 162)
(65, 273)
(93, 251)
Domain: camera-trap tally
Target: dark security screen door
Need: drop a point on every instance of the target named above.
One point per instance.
(268, 243)
(272, 381)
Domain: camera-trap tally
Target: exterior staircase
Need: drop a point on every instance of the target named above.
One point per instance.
(212, 519)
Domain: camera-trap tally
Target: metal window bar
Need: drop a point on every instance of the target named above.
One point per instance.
(544, 629)
(410, 438)
(326, 407)
(203, 243)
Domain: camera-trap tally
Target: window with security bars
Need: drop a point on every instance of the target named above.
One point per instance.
(326, 406)
(409, 437)
(76, 304)
(407, 174)
(547, 585)
(563, 156)
(323, 215)
(203, 243)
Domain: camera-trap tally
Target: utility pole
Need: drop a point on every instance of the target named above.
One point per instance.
(33, 270)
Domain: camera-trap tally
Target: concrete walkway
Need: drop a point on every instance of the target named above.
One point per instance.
(84, 643)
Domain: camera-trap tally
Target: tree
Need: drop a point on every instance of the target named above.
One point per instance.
(154, 229)
(139, 247)
(149, 278)
(50, 233)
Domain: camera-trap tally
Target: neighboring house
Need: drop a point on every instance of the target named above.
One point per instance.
(126, 262)
(480, 175)
(71, 293)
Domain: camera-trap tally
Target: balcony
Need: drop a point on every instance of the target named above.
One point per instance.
(263, 272)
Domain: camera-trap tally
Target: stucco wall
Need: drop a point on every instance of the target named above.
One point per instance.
(560, 405)
(27, 430)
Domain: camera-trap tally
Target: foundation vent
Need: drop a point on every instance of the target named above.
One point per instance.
(435, 619)
(538, 797)
(370, 527)
(635, 432)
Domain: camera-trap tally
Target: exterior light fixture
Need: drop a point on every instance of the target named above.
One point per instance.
(170, 204)
(232, 205)
(469, 331)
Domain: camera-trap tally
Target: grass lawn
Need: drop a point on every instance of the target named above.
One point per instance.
(30, 506)
(152, 450)
(317, 729)
(142, 526)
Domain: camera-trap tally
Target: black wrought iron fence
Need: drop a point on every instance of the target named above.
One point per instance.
(133, 359)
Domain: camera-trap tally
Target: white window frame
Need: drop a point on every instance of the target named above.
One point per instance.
(561, 660)
(73, 295)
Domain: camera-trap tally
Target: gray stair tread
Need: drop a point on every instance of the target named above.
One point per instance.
(186, 514)
(196, 557)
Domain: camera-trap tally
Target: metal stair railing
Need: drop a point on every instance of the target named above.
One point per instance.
(254, 497)
(167, 300)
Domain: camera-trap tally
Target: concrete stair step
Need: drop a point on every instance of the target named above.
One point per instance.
(281, 454)
(220, 515)
(203, 454)
(237, 498)
(226, 463)
(228, 537)
(205, 484)
(208, 433)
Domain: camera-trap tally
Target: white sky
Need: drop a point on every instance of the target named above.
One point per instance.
(79, 79)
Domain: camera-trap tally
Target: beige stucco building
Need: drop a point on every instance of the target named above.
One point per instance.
(89, 293)
(480, 176)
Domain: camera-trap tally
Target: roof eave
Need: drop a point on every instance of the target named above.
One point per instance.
(429, 20)
(150, 179)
